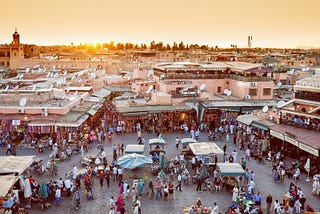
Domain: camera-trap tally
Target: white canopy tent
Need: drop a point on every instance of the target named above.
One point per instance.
(205, 148)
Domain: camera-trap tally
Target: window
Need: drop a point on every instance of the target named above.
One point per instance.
(266, 91)
(253, 92)
(219, 89)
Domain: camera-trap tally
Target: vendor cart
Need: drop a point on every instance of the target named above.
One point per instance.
(87, 160)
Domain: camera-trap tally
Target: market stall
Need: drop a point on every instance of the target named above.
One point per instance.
(186, 151)
(134, 148)
(206, 151)
(16, 165)
(6, 188)
(156, 145)
(228, 171)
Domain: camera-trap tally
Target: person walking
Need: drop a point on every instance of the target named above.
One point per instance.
(269, 202)
(235, 193)
(177, 143)
(159, 189)
(151, 187)
(58, 196)
(199, 183)
(170, 188)
(8, 148)
(179, 178)
(101, 178)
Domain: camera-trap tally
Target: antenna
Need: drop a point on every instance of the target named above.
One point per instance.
(265, 109)
(23, 101)
(225, 91)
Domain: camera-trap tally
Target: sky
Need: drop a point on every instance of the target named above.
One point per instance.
(271, 23)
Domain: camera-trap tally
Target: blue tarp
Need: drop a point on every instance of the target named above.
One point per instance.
(131, 161)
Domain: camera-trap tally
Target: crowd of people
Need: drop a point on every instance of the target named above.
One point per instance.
(245, 193)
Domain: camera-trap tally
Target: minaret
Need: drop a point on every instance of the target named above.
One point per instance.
(16, 51)
(16, 38)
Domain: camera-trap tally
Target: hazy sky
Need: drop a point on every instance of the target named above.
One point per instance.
(272, 23)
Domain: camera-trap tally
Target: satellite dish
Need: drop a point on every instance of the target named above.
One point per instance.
(229, 93)
(265, 109)
(48, 75)
(56, 75)
(34, 88)
(16, 87)
(279, 84)
(76, 93)
(280, 103)
(7, 87)
(27, 70)
(36, 66)
(23, 101)
(226, 91)
(149, 89)
(202, 87)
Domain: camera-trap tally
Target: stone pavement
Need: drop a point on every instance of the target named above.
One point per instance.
(188, 195)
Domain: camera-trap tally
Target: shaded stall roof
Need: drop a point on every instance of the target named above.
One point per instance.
(134, 148)
(73, 119)
(6, 183)
(150, 109)
(247, 118)
(15, 164)
(156, 141)
(204, 148)
(230, 169)
(310, 138)
(186, 141)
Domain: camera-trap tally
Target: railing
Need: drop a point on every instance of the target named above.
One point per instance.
(310, 126)
(308, 96)
(212, 76)
(249, 79)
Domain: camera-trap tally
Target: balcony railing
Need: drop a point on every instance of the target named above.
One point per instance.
(314, 126)
(212, 76)
(249, 79)
(308, 96)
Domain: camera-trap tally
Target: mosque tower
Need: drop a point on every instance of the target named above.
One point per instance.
(16, 51)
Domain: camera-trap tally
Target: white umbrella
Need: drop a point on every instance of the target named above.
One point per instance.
(307, 168)
(27, 189)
